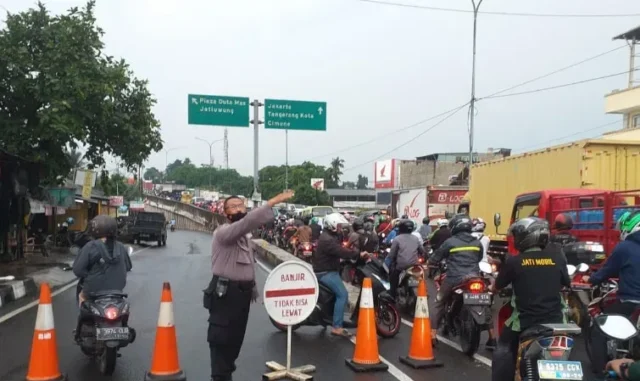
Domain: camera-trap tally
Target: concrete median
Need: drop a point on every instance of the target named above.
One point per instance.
(274, 256)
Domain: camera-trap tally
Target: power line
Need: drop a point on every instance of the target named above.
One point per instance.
(388, 134)
(557, 86)
(520, 14)
(558, 70)
(570, 135)
(451, 113)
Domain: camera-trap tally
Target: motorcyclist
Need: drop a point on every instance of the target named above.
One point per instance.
(440, 235)
(357, 236)
(384, 225)
(372, 238)
(102, 263)
(316, 229)
(562, 225)
(623, 263)
(303, 234)
(537, 275)
(392, 234)
(463, 252)
(326, 265)
(425, 229)
(404, 253)
(478, 231)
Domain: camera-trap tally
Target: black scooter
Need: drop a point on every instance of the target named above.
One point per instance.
(388, 320)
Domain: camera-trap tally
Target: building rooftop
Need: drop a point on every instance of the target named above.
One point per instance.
(494, 152)
(351, 192)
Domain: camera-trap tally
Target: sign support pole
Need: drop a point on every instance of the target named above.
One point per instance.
(286, 159)
(288, 347)
(256, 166)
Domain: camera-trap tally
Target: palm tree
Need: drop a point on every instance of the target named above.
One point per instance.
(75, 159)
(337, 164)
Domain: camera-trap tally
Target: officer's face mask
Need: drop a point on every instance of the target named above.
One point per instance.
(237, 216)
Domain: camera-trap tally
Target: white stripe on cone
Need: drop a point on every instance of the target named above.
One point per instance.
(44, 319)
(165, 319)
(422, 308)
(366, 299)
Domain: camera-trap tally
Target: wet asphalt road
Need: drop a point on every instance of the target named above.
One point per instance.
(185, 263)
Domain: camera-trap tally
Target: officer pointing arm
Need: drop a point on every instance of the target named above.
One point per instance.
(233, 286)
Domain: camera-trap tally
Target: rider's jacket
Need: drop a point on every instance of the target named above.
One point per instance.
(463, 252)
(623, 263)
(563, 239)
(404, 251)
(537, 277)
(330, 251)
(102, 266)
(439, 236)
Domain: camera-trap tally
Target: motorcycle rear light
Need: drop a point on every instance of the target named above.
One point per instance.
(476, 287)
(111, 313)
(421, 260)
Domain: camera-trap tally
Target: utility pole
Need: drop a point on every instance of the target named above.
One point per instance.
(226, 148)
(472, 109)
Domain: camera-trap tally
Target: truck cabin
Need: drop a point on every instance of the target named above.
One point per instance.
(588, 208)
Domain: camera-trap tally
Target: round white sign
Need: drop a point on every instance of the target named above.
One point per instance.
(291, 292)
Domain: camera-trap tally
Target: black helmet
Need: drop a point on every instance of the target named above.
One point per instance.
(460, 223)
(358, 224)
(530, 232)
(368, 226)
(103, 226)
(425, 220)
(306, 220)
(563, 222)
(404, 217)
(405, 226)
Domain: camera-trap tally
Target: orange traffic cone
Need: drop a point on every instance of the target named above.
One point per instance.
(421, 349)
(366, 357)
(165, 365)
(43, 363)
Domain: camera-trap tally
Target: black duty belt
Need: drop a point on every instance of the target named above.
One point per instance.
(240, 284)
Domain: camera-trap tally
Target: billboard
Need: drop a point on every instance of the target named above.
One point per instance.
(385, 174)
(317, 184)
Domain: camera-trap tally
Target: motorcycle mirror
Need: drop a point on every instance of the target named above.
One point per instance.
(571, 269)
(485, 267)
(497, 219)
(583, 268)
(616, 326)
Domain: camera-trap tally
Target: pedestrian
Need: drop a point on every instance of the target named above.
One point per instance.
(233, 287)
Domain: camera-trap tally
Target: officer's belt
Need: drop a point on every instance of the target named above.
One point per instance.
(239, 284)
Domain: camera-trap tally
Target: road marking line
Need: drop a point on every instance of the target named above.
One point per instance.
(480, 358)
(57, 292)
(393, 370)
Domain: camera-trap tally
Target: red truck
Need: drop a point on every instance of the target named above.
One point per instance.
(594, 213)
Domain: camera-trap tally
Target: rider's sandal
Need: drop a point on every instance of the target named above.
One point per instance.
(342, 333)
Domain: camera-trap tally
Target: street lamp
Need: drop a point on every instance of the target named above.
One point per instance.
(210, 144)
(472, 104)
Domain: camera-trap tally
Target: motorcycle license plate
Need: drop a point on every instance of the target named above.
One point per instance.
(114, 333)
(307, 253)
(483, 299)
(560, 370)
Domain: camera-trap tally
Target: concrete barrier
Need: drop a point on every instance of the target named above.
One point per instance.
(274, 256)
(187, 217)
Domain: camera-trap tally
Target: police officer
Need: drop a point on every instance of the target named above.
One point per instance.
(233, 287)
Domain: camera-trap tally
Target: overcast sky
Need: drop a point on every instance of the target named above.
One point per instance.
(380, 68)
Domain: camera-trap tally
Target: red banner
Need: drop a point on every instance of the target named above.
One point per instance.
(446, 196)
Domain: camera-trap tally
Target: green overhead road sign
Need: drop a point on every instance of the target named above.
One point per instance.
(295, 115)
(215, 110)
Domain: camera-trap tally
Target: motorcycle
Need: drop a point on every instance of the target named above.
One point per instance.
(408, 288)
(618, 328)
(388, 320)
(543, 353)
(173, 228)
(305, 251)
(468, 311)
(104, 326)
(616, 348)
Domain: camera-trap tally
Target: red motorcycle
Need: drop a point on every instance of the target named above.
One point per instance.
(468, 311)
(305, 251)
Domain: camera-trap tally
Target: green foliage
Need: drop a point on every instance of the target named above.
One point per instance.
(272, 182)
(362, 182)
(116, 185)
(59, 90)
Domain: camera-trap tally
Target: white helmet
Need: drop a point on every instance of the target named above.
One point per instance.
(333, 221)
(442, 222)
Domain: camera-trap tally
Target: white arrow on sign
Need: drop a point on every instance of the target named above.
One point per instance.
(320, 110)
(194, 101)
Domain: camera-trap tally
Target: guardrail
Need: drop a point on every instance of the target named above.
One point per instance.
(187, 217)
